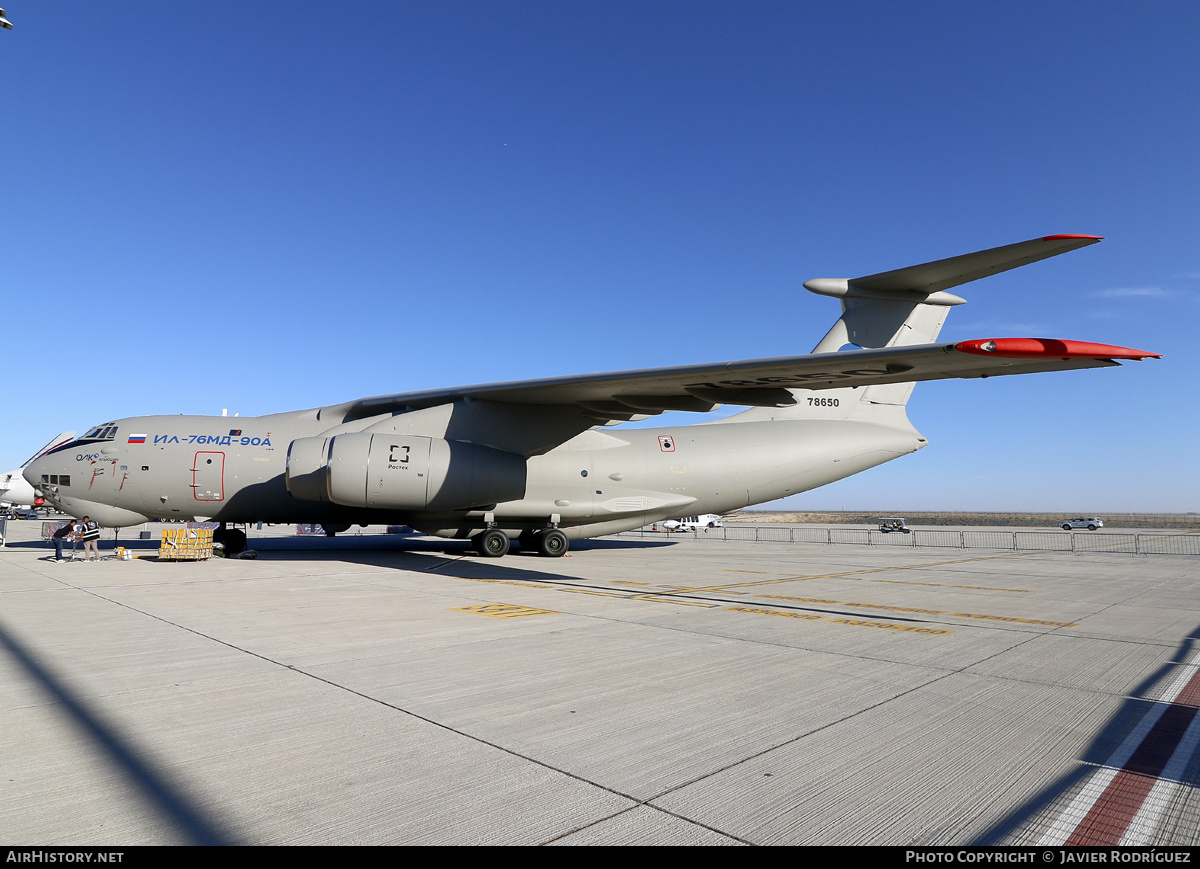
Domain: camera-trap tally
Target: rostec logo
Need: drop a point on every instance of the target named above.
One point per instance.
(398, 463)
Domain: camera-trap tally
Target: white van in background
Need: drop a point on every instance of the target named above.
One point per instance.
(693, 523)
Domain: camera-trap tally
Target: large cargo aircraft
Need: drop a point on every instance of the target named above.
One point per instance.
(530, 460)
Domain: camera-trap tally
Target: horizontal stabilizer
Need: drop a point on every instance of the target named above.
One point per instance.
(926, 282)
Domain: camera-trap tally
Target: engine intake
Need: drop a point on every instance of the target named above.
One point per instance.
(402, 472)
(305, 475)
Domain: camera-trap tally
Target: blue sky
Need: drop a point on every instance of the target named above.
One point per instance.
(269, 206)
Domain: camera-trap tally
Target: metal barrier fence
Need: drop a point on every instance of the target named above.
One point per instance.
(1017, 541)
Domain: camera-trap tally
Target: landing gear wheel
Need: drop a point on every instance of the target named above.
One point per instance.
(553, 543)
(491, 544)
(235, 541)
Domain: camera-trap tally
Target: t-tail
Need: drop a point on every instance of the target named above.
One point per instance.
(897, 308)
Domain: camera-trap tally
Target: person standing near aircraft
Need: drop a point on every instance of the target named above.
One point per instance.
(60, 536)
(90, 535)
(75, 535)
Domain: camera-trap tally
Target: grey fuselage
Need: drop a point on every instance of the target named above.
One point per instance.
(233, 470)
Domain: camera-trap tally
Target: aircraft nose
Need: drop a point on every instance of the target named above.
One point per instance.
(42, 466)
(33, 473)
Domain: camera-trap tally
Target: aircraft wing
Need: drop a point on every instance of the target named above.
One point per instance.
(618, 395)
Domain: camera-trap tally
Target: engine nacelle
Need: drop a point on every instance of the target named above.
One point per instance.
(305, 475)
(402, 472)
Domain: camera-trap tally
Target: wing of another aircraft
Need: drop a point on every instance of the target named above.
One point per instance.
(765, 382)
(59, 440)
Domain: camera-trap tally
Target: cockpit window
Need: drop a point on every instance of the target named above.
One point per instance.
(104, 432)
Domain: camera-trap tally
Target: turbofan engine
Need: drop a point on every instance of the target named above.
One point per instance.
(402, 472)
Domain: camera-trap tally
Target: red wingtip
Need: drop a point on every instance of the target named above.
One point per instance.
(1070, 235)
(1050, 348)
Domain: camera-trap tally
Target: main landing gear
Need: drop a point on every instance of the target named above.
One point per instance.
(552, 543)
(549, 542)
(492, 543)
(234, 539)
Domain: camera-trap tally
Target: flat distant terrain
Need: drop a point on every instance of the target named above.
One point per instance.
(1020, 520)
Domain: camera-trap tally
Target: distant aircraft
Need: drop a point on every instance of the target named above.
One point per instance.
(15, 491)
(528, 460)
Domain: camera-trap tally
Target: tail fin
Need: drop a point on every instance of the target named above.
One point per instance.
(909, 305)
(892, 308)
(901, 307)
